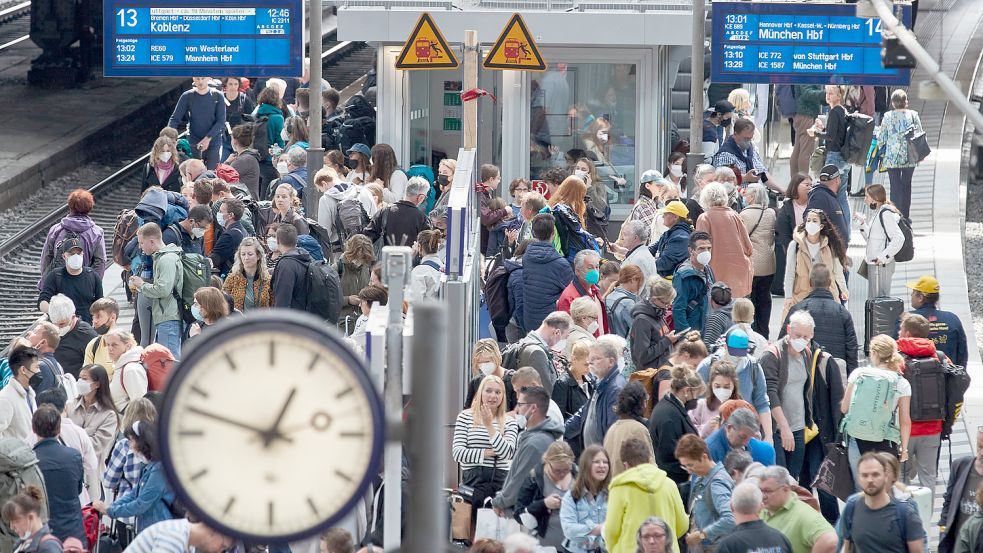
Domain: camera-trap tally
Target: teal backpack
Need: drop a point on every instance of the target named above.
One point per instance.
(870, 415)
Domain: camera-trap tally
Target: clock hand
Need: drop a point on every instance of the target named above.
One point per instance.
(274, 432)
(231, 422)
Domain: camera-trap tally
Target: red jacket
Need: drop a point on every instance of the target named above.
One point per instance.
(920, 347)
(573, 291)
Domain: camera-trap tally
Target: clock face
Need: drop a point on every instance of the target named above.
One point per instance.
(270, 427)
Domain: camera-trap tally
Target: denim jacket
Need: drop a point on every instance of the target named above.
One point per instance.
(147, 501)
(579, 517)
(712, 514)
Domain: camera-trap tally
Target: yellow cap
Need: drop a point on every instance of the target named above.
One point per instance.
(676, 208)
(927, 284)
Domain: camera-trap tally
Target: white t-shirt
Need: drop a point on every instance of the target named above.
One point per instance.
(904, 387)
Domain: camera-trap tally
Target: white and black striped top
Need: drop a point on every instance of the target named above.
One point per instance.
(470, 443)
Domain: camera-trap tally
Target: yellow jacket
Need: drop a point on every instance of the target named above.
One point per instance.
(97, 352)
(633, 496)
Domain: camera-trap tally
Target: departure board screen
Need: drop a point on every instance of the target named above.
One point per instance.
(203, 38)
(758, 42)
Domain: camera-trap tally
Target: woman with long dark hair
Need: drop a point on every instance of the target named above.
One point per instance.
(94, 411)
(385, 171)
(790, 215)
(816, 240)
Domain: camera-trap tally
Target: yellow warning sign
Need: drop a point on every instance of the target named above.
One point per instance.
(426, 48)
(515, 49)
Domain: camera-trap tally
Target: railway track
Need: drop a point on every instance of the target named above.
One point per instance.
(14, 23)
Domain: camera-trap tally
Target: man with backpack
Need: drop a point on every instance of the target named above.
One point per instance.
(229, 217)
(875, 522)
(343, 208)
(82, 284)
(166, 288)
(45, 339)
(204, 108)
(400, 223)
(289, 282)
(536, 349)
(545, 273)
(189, 232)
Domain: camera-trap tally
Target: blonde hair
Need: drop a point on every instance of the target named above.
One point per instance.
(741, 99)
(559, 452)
(884, 349)
(376, 190)
(449, 163)
(580, 350)
(158, 149)
(262, 271)
(279, 85)
(292, 192)
(123, 335)
(499, 413)
(684, 377)
(583, 307)
(660, 288)
(485, 346)
(742, 311)
(142, 410)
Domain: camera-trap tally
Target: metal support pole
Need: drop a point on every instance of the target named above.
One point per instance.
(315, 154)
(396, 264)
(928, 64)
(470, 134)
(427, 442)
(695, 156)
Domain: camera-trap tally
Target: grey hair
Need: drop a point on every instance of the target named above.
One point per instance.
(704, 172)
(802, 319)
(759, 194)
(297, 157)
(714, 194)
(639, 229)
(416, 186)
(670, 539)
(581, 258)
(611, 345)
(777, 473)
(439, 212)
(559, 319)
(746, 498)
(123, 335)
(743, 418)
(519, 542)
(660, 288)
(725, 174)
(584, 306)
(60, 309)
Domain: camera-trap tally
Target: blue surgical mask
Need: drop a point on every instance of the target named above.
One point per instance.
(197, 314)
(592, 277)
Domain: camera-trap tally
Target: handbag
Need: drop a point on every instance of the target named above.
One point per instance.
(834, 475)
(460, 517)
(491, 526)
(918, 148)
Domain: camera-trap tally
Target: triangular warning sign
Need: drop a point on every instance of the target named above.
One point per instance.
(515, 49)
(426, 48)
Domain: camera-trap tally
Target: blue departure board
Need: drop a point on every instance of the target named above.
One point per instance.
(207, 38)
(761, 42)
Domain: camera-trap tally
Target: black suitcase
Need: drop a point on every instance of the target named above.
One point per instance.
(881, 317)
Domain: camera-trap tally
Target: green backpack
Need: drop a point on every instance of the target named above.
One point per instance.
(870, 415)
(196, 271)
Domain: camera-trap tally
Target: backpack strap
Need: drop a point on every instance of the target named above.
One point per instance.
(95, 347)
(848, 510)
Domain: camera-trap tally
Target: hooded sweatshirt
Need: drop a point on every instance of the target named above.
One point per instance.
(129, 381)
(633, 496)
(327, 207)
(93, 242)
(168, 277)
(529, 450)
(920, 348)
(289, 282)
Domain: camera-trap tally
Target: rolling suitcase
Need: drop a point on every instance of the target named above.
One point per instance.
(880, 314)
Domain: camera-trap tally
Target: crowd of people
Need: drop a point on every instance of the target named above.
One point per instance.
(632, 396)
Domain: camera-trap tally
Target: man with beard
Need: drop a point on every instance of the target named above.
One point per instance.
(875, 522)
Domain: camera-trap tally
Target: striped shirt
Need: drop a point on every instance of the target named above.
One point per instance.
(169, 536)
(471, 441)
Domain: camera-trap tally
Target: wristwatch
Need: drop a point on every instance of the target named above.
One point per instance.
(703, 535)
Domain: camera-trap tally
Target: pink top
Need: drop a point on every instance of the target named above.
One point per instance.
(702, 416)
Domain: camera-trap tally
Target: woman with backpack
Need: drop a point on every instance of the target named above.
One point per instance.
(893, 139)
(283, 210)
(151, 500)
(884, 240)
(760, 220)
(425, 277)
(245, 160)
(834, 133)
(622, 299)
(130, 376)
(385, 171)
(248, 282)
(870, 422)
(355, 270)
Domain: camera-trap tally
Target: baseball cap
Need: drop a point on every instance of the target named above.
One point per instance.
(829, 172)
(737, 343)
(360, 148)
(720, 293)
(654, 176)
(676, 208)
(723, 107)
(927, 284)
(70, 244)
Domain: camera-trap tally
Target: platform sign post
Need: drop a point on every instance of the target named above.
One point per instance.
(800, 43)
(214, 38)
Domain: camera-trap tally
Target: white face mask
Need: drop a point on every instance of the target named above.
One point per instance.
(74, 262)
(63, 330)
(271, 243)
(220, 219)
(520, 421)
(285, 135)
(723, 394)
(580, 173)
(281, 168)
(197, 232)
(676, 170)
(602, 136)
(559, 346)
(165, 156)
(486, 368)
(703, 258)
(798, 344)
(83, 387)
(813, 228)
(592, 328)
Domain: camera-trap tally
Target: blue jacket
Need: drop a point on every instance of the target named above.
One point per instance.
(545, 274)
(946, 330)
(61, 467)
(710, 503)
(821, 197)
(296, 178)
(750, 376)
(672, 248)
(516, 293)
(579, 517)
(692, 303)
(205, 114)
(606, 395)
(147, 501)
(719, 447)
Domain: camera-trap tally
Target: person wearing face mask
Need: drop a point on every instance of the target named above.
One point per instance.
(738, 153)
(732, 247)
(44, 338)
(230, 219)
(715, 121)
(73, 333)
(649, 202)
(723, 386)
(537, 433)
(691, 281)
(835, 331)
(735, 349)
(486, 359)
(585, 314)
(23, 514)
(209, 306)
(574, 388)
(94, 412)
(676, 169)
(105, 313)
(162, 166)
(597, 415)
(597, 145)
(670, 420)
(130, 377)
(189, 232)
(484, 442)
(79, 223)
(80, 283)
(649, 335)
(586, 269)
(815, 241)
(17, 403)
(445, 178)
(884, 240)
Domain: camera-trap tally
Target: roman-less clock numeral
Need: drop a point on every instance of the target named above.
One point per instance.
(228, 505)
(344, 392)
(352, 434)
(269, 513)
(199, 474)
(317, 357)
(272, 354)
(191, 433)
(342, 475)
(231, 363)
(201, 392)
(310, 503)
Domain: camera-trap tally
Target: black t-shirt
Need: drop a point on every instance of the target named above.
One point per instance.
(836, 129)
(83, 289)
(754, 537)
(879, 530)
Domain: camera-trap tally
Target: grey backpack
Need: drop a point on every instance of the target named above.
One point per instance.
(18, 469)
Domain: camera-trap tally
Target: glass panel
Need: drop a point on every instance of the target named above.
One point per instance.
(419, 118)
(590, 108)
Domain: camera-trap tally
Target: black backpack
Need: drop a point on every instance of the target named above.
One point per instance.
(357, 106)
(957, 381)
(859, 134)
(261, 136)
(497, 294)
(350, 219)
(927, 378)
(907, 251)
(357, 130)
(323, 298)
